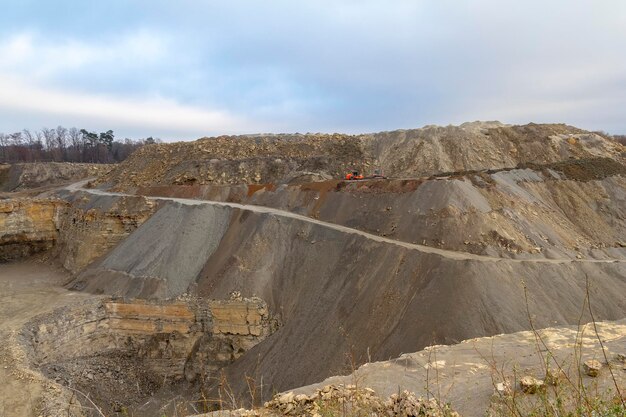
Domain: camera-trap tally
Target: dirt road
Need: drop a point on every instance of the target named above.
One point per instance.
(456, 255)
(28, 289)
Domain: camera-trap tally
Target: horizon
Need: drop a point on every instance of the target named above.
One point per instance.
(252, 134)
(184, 71)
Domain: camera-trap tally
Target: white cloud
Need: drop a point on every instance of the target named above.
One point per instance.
(28, 53)
(156, 114)
(31, 66)
(350, 65)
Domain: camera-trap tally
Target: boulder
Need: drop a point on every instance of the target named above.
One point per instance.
(531, 385)
(592, 367)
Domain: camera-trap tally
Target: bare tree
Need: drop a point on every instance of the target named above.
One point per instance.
(48, 137)
(30, 140)
(61, 141)
(73, 135)
(68, 145)
(4, 145)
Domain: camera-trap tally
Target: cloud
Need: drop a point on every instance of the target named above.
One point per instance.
(151, 114)
(341, 65)
(31, 54)
(33, 66)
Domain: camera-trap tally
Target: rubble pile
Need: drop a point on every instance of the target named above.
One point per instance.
(239, 160)
(279, 159)
(349, 400)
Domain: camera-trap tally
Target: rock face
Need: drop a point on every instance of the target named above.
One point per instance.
(172, 338)
(80, 228)
(28, 226)
(237, 326)
(90, 226)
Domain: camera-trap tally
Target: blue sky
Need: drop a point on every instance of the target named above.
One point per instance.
(184, 69)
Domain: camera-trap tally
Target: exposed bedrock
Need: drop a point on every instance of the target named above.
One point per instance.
(89, 226)
(122, 351)
(27, 226)
(339, 294)
(79, 228)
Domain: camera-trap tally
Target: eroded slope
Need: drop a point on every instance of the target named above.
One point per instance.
(566, 210)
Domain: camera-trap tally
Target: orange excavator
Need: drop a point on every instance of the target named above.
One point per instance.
(355, 175)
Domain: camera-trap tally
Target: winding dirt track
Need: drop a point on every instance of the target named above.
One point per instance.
(456, 255)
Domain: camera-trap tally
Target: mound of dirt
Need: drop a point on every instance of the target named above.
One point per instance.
(402, 153)
(481, 146)
(38, 174)
(239, 159)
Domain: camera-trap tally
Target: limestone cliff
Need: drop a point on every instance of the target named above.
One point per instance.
(27, 226)
(90, 226)
(175, 338)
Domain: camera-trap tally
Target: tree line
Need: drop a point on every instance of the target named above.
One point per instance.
(67, 145)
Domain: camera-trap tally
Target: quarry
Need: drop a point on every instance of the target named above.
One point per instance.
(244, 275)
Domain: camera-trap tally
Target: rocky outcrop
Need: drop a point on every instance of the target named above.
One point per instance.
(237, 325)
(28, 226)
(179, 338)
(90, 226)
(339, 399)
(80, 228)
(120, 352)
(464, 375)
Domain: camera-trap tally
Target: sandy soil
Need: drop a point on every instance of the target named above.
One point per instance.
(28, 289)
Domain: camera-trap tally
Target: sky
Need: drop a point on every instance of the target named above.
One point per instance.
(179, 70)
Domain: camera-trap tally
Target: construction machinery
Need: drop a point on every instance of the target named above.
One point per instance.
(355, 175)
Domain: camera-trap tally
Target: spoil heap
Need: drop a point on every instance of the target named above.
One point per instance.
(401, 153)
(238, 159)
